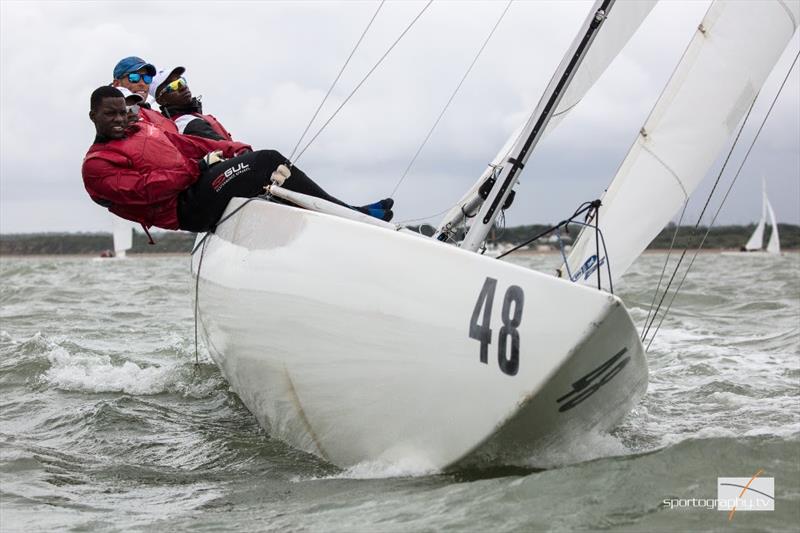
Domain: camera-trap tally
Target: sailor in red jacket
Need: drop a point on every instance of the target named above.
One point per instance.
(171, 92)
(159, 178)
(135, 74)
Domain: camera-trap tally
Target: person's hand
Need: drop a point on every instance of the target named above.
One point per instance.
(210, 159)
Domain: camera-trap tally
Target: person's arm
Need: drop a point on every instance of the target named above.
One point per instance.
(122, 185)
(197, 147)
(200, 128)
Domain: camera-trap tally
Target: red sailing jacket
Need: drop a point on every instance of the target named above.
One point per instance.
(140, 176)
(157, 119)
(182, 120)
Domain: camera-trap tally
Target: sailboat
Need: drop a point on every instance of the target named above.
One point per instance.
(423, 349)
(755, 244)
(122, 234)
(123, 237)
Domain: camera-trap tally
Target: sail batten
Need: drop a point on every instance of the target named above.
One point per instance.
(727, 61)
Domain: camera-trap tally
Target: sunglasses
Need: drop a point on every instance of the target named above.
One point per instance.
(135, 77)
(173, 86)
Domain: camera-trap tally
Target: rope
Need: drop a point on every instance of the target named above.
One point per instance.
(452, 96)
(664, 268)
(401, 222)
(197, 299)
(584, 207)
(722, 203)
(330, 89)
(363, 80)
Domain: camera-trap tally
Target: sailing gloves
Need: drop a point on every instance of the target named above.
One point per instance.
(210, 159)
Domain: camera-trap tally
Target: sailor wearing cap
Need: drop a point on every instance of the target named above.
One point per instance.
(132, 102)
(134, 74)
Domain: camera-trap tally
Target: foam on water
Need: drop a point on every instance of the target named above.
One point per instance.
(407, 467)
(97, 373)
(92, 373)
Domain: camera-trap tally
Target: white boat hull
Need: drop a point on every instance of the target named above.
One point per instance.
(353, 342)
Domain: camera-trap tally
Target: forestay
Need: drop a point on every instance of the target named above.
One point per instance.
(621, 23)
(734, 49)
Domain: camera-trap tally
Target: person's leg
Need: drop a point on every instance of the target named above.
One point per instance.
(202, 205)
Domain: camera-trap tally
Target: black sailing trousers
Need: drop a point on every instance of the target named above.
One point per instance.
(201, 205)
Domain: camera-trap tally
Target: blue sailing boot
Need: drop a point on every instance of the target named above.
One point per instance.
(381, 209)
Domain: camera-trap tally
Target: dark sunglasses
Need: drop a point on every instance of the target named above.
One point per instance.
(135, 77)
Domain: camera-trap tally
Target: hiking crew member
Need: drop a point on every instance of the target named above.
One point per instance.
(170, 89)
(172, 181)
(135, 74)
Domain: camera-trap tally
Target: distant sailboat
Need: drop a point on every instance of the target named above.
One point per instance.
(756, 242)
(123, 237)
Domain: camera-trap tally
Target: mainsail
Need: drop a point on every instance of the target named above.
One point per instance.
(621, 23)
(734, 49)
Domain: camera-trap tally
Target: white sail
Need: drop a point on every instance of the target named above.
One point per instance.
(774, 245)
(123, 236)
(734, 49)
(756, 240)
(622, 22)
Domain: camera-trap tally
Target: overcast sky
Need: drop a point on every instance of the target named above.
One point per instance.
(263, 67)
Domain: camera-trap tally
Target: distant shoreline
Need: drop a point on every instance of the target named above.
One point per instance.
(716, 239)
(518, 252)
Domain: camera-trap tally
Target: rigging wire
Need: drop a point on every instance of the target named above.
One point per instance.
(666, 262)
(364, 79)
(341, 71)
(197, 301)
(647, 327)
(452, 96)
(722, 203)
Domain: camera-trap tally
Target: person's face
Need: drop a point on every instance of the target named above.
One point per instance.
(132, 106)
(139, 87)
(167, 97)
(110, 118)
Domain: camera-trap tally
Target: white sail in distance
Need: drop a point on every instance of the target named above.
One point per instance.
(622, 22)
(774, 244)
(727, 61)
(123, 236)
(756, 240)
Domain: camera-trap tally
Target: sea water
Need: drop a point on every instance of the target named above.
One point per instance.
(107, 424)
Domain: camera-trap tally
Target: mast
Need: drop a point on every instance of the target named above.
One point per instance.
(535, 128)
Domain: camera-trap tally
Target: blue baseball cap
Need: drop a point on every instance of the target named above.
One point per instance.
(132, 64)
